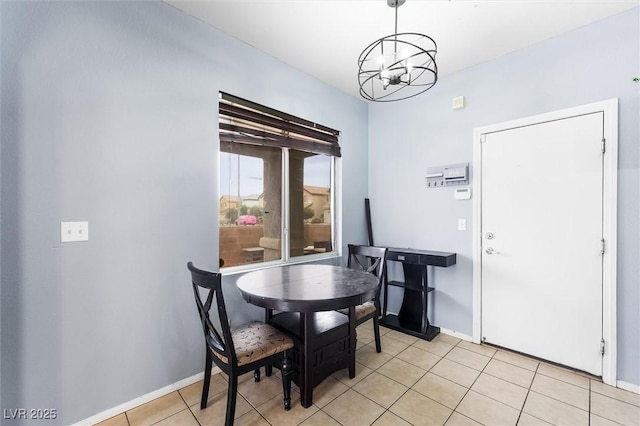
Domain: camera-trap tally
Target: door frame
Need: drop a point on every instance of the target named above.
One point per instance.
(610, 209)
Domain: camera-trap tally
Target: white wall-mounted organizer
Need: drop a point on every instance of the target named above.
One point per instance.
(453, 174)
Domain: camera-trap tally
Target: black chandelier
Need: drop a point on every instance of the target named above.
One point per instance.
(398, 66)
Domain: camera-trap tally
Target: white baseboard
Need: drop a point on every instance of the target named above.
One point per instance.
(456, 334)
(447, 331)
(112, 412)
(628, 386)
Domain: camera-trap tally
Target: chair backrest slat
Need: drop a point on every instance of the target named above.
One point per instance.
(369, 259)
(219, 341)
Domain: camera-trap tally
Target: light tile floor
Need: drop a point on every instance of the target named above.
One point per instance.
(447, 381)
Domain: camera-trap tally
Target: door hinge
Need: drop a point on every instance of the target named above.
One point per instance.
(602, 347)
(604, 143)
(602, 246)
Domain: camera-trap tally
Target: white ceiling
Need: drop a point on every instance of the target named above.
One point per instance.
(325, 37)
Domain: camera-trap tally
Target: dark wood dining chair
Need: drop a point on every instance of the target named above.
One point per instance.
(241, 350)
(372, 260)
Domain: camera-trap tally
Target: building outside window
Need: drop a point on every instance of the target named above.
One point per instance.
(277, 186)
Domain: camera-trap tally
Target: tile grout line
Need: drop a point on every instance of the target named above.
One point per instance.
(609, 397)
(527, 395)
(426, 372)
(589, 415)
(256, 410)
(469, 389)
(555, 399)
(188, 408)
(441, 358)
(409, 388)
(173, 414)
(561, 401)
(407, 362)
(327, 414)
(616, 399)
(463, 396)
(375, 371)
(521, 410)
(250, 411)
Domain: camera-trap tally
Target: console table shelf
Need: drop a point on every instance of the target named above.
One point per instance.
(412, 317)
(409, 286)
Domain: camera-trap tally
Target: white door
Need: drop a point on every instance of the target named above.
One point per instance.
(541, 232)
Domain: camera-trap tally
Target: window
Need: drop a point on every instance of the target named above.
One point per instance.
(277, 179)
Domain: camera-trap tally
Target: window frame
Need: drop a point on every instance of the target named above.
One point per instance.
(285, 225)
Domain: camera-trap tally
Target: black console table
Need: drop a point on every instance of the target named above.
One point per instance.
(412, 317)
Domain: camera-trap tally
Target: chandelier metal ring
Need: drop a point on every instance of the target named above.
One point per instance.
(398, 66)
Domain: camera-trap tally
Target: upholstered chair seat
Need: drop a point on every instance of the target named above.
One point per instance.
(365, 309)
(256, 340)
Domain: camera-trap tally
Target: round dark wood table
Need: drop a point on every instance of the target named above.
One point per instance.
(315, 292)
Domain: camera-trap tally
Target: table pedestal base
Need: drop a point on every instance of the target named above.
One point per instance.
(328, 347)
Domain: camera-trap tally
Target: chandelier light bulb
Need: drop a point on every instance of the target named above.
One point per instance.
(408, 67)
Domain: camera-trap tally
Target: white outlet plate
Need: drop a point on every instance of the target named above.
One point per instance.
(74, 231)
(462, 224)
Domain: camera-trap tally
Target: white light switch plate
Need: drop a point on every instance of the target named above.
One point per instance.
(74, 231)
(462, 224)
(458, 103)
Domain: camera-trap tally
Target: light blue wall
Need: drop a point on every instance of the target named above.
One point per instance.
(109, 114)
(590, 64)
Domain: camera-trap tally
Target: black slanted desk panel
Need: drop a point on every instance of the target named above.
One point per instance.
(412, 317)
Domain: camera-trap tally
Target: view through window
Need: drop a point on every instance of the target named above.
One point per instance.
(276, 193)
